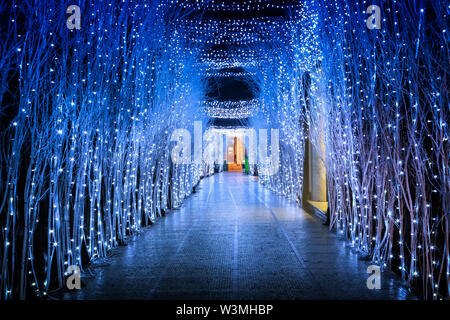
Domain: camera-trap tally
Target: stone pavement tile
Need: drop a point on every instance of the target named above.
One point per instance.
(235, 239)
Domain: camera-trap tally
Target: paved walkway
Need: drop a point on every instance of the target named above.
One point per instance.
(234, 239)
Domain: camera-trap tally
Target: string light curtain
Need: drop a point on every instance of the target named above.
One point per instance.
(380, 98)
(85, 133)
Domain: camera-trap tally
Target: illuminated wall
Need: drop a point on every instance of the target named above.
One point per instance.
(86, 133)
(384, 96)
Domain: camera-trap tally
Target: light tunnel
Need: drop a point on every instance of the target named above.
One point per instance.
(221, 149)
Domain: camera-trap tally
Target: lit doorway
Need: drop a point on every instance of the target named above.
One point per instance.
(235, 153)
